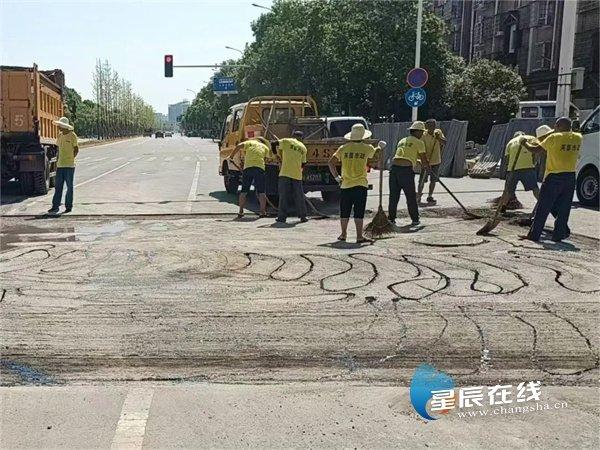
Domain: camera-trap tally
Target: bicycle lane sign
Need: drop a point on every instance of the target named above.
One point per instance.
(415, 97)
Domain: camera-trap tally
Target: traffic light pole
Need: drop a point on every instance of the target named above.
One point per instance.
(210, 66)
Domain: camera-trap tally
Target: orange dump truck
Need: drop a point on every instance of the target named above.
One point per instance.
(31, 100)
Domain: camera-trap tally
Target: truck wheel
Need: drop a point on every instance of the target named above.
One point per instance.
(41, 182)
(26, 182)
(231, 180)
(330, 196)
(587, 187)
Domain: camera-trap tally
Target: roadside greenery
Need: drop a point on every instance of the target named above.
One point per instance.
(352, 57)
(117, 111)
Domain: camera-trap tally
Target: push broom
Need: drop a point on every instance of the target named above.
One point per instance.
(495, 219)
(380, 225)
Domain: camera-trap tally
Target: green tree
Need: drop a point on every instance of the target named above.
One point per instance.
(484, 92)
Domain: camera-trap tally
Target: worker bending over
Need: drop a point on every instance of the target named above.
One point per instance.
(292, 153)
(562, 150)
(434, 141)
(256, 151)
(354, 156)
(402, 175)
(521, 169)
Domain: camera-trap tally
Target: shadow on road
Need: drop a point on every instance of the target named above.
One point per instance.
(11, 194)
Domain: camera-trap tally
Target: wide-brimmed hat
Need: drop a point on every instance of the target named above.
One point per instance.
(417, 125)
(358, 133)
(542, 130)
(63, 122)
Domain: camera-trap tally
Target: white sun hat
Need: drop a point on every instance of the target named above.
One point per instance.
(542, 130)
(417, 125)
(63, 122)
(358, 133)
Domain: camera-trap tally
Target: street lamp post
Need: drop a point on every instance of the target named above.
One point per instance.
(415, 111)
(234, 49)
(261, 6)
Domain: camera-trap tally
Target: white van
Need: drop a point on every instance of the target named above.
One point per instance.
(588, 162)
(542, 109)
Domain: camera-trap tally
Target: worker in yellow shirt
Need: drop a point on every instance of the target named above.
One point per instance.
(434, 141)
(354, 157)
(256, 151)
(402, 174)
(68, 149)
(556, 194)
(292, 153)
(524, 166)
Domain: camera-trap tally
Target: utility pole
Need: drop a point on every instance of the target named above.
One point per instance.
(415, 111)
(565, 63)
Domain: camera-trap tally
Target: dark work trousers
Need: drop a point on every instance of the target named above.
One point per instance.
(402, 178)
(64, 175)
(556, 196)
(290, 193)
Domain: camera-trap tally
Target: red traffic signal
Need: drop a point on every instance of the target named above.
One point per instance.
(168, 66)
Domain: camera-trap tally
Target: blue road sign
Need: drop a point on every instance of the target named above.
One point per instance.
(415, 97)
(224, 85)
(417, 77)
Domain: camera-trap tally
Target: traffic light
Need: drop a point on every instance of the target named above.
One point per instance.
(169, 66)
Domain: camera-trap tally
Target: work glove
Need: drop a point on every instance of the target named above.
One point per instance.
(338, 179)
(382, 144)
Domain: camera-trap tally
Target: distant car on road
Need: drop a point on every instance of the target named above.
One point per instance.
(159, 134)
(147, 133)
(587, 165)
(168, 134)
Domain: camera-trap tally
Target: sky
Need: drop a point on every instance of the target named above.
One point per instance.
(132, 35)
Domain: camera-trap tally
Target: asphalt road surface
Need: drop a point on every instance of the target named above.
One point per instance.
(171, 324)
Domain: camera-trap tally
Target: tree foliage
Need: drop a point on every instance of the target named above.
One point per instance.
(485, 92)
(351, 56)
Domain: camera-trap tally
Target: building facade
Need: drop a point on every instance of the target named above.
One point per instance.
(526, 34)
(178, 109)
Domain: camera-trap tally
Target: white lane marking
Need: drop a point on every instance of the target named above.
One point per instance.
(98, 160)
(135, 159)
(131, 427)
(102, 174)
(168, 158)
(48, 196)
(151, 159)
(193, 188)
(118, 159)
(202, 158)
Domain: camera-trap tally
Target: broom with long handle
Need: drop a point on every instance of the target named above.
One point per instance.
(380, 225)
(495, 219)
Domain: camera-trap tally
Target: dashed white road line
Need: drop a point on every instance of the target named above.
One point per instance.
(118, 159)
(202, 158)
(151, 159)
(98, 160)
(193, 188)
(102, 174)
(131, 427)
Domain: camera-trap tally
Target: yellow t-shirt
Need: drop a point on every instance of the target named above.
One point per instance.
(255, 154)
(433, 147)
(410, 148)
(293, 155)
(66, 149)
(525, 160)
(354, 157)
(562, 150)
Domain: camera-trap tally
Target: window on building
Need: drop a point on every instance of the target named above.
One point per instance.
(478, 31)
(545, 12)
(542, 54)
(512, 38)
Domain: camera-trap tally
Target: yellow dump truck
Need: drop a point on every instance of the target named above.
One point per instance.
(31, 100)
(277, 117)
